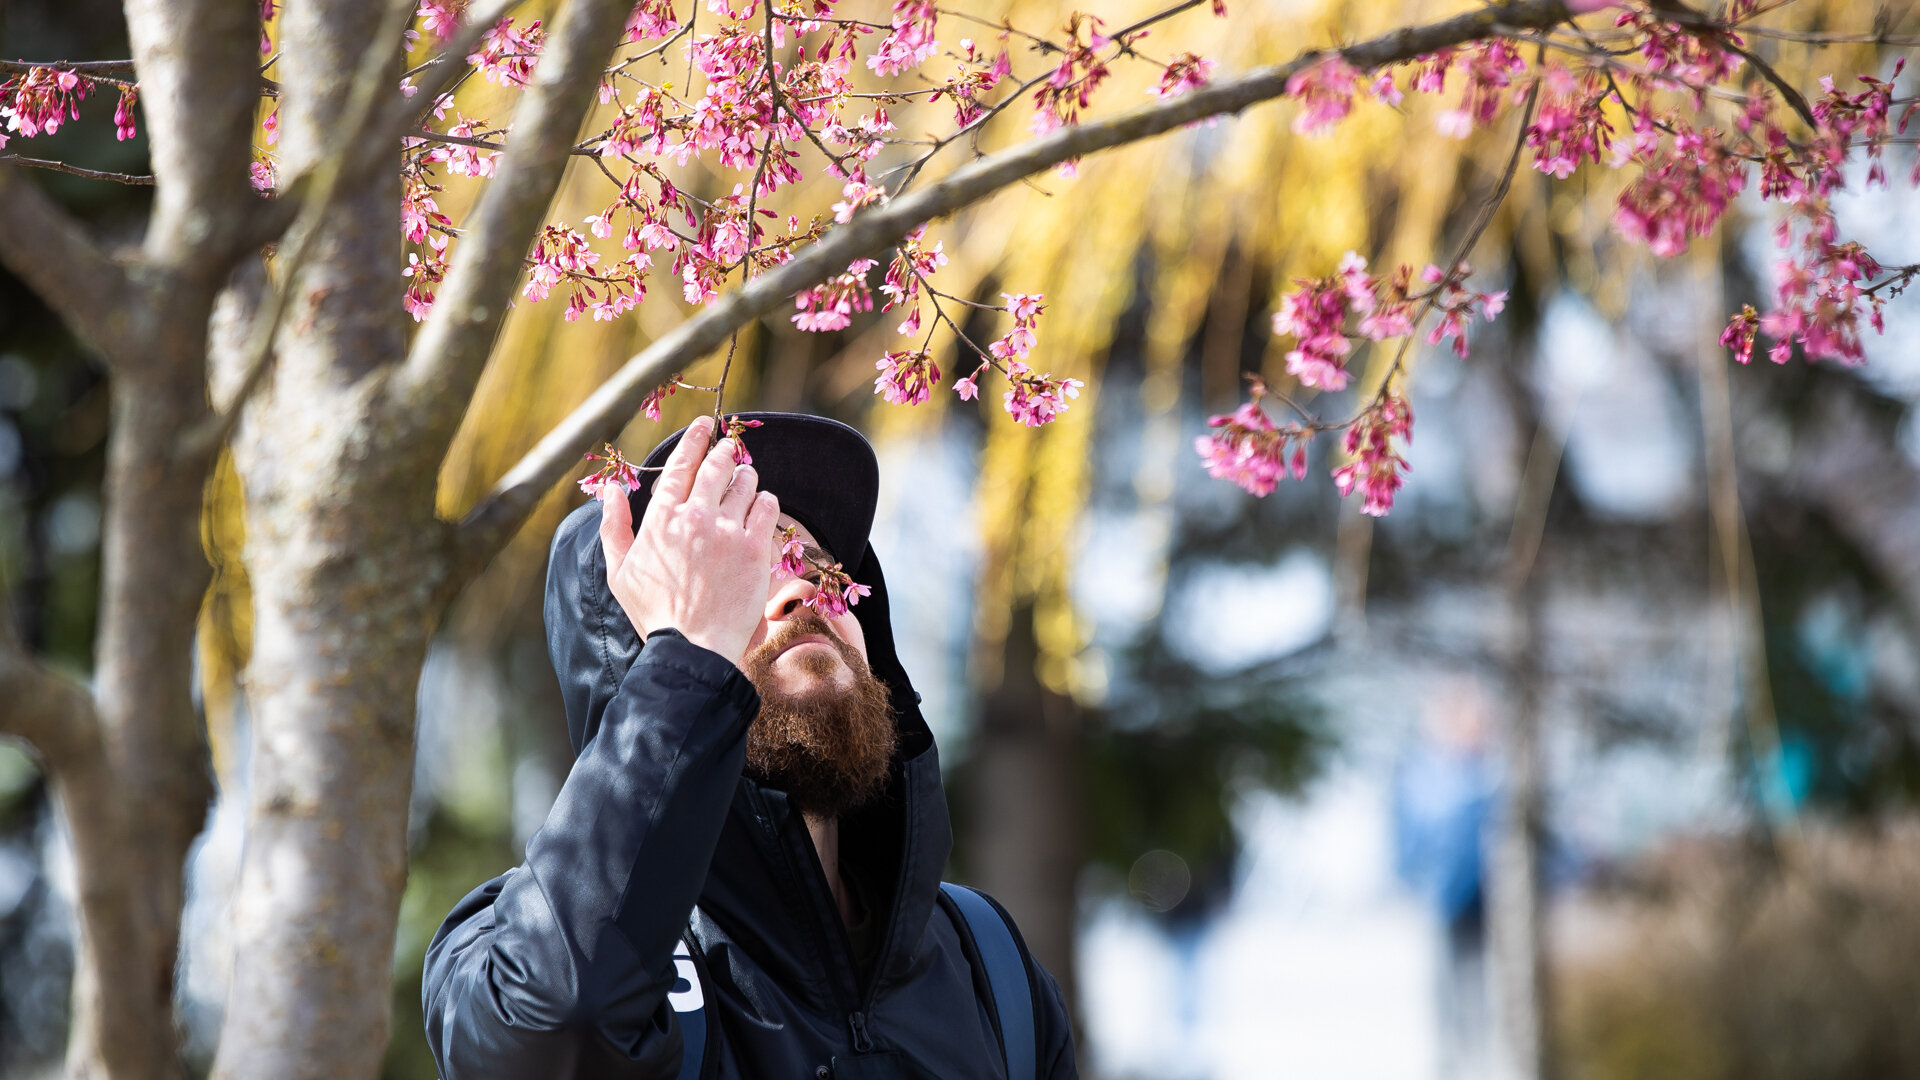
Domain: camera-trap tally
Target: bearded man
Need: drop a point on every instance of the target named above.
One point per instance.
(753, 779)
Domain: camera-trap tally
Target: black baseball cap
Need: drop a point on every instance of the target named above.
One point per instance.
(823, 472)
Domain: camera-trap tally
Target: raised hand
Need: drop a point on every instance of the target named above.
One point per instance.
(699, 560)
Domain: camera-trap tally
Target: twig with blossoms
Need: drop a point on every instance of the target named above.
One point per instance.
(835, 591)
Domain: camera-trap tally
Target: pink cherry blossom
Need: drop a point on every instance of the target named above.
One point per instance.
(123, 128)
(1740, 332)
(1682, 193)
(1569, 126)
(1183, 73)
(906, 378)
(1248, 450)
(1376, 468)
(1325, 91)
(507, 54)
(793, 555)
(1315, 315)
(615, 472)
(650, 405)
(835, 592)
(38, 102)
(830, 305)
(735, 428)
(1035, 400)
(910, 42)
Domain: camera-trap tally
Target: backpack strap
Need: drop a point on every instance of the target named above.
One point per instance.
(1006, 977)
(689, 1003)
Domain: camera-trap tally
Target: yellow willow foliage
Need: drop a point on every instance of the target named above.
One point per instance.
(225, 639)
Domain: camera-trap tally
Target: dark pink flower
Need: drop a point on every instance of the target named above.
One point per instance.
(615, 471)
(1682, 193)
(1325, 91)
(1569, 126)
(123, 128)
(906, 378)
(1740, 332)
(1376, 468)
(1185, 72)
(1035, 400)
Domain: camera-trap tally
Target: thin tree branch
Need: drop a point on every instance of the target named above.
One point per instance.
(45, 247)
(78, 67)
(402, 116)
(1794, 99)
(493, 520)
(76, 170)
(437, 380)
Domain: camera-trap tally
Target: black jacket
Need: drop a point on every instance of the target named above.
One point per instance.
(561, 967)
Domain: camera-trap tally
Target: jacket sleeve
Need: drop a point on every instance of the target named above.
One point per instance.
(563, 966)
(1055, 1036)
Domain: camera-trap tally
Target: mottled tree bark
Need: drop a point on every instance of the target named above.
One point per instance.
(340, 538)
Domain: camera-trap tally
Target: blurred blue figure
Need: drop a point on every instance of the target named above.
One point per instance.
(1443, 797)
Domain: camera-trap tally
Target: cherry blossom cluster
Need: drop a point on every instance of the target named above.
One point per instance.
(614, 471)
(1374, 468)
(835, 591)
(1686, 172)
(1686, 110)
(1247, 448)
(45, 97)
(1316, 313)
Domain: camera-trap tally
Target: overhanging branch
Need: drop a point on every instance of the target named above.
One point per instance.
(46, 248)
(493, 520)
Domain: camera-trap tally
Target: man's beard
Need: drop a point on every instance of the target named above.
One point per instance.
(828, 748)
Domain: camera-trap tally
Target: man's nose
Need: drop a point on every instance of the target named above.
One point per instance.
(788, 596)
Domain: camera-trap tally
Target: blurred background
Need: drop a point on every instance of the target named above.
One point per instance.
(1267, 782)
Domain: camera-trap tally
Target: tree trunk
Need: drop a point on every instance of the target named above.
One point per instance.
(153, 782)
(1516, 913)
(1026, 810)
(346, 562)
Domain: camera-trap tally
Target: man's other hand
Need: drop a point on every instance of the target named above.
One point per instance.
(700, 561)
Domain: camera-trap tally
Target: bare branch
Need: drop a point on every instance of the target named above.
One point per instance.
(492, 521)
(45, 247)
(78, 67)
(1794, 99)
(75, 170)
(49, 711)
(446, 358)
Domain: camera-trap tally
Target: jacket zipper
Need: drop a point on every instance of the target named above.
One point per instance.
(857, 1018)
(858, 1022)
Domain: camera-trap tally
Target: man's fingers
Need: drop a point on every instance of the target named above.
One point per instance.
(711, 481)
(762, 517)
(616, 527)
(677, 478)
(738, 500)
